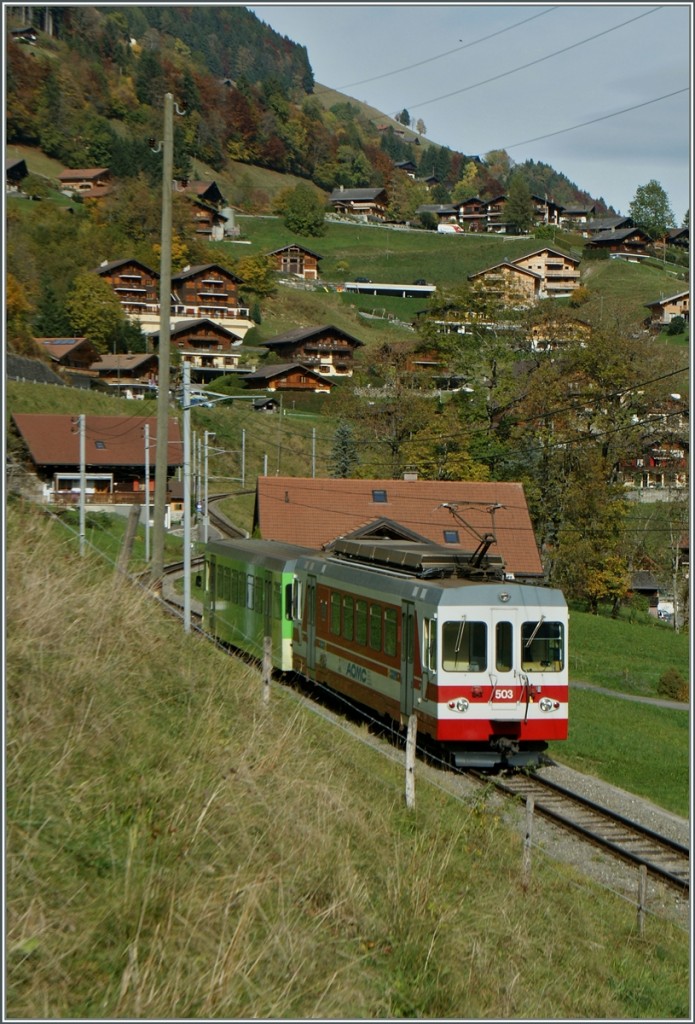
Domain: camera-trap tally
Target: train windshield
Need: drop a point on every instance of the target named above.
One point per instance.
(542, 646)
(464, 646)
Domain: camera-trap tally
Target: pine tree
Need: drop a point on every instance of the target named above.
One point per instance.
(344, 457)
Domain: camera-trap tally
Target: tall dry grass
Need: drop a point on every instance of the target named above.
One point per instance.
(175, 848)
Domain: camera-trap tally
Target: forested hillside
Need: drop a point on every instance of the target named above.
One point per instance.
(90, 94)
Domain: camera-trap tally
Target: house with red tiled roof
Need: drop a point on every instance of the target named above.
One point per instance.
(313, 512)
(114, 456)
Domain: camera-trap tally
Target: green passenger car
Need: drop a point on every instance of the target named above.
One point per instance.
(248, 595)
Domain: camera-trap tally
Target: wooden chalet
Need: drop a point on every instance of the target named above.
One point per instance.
(288, 377)
(15, 173)
(609, 222)
(314, 512)
(509, 283)
(207, 291)
(207, 347)
(545, 211)
(206, 191)
(70, 353)
(472, 214)
(679, 237)
(296, 260)
(407, 166)
(208, 221)
(558, 271)
(114, 456)
(629, 242)
(88, 182)
(663, 311)
(444, 213)
(327, 350)
(126, 368)
(573, 217)
(361, 202)
(495, 215)
(136, 286)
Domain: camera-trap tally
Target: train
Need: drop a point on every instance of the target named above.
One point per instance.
(405, 628)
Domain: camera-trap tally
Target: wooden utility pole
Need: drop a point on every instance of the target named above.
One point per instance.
(162, 457)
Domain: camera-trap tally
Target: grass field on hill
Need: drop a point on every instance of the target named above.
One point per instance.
(175, 848)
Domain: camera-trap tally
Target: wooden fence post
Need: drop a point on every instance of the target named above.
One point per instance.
(526, 869)
(641, 898)
(410, 748)
(267, 667)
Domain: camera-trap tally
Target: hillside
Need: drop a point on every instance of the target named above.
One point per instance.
(177, 849)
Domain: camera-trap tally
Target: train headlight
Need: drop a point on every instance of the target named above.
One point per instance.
(461, 704)
(504, 596)
(546, 704)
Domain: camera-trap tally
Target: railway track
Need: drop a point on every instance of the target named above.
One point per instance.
(663, 857)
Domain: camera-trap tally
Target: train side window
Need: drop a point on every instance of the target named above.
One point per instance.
(277, 600)
(390, 631)
(361, 622)
(429, 644)
(348, 617)
(375, 627)
(249, 591)
(503, 647)
(258, 595)
(542, 646)
(335, 613)
(464, 646)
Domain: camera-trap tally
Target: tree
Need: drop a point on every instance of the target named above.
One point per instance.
(257, 274)
(403, 117)
(519, 210)
(344, 456)
(651, 210)
(94, 310)
(420, 127)
(304, 211)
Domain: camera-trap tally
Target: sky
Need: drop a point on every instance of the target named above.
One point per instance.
(550, 83)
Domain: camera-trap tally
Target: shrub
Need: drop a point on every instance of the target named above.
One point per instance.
(673, 686)
(676, 326)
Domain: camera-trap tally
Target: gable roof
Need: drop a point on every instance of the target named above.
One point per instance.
(199, 324)
(58, 348)
(281, 370)
(508, 266)
(304, 333)
(550, 251)
(82, 173)
(669, 298)
(313, 512)
(294, 245)
(53, 439)
(124, 361)
(109, 265)
(201, 268)
(620, 234)
(351, 194)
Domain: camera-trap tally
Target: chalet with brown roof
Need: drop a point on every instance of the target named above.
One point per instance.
(207, 291)
(663, 311)
(679, 237)
(327, 350)
(135, 284)
(70, 353)
(495, 214)
(629, 242)
(207, 347)
(444, 213)
(206, 191)
(558, 271)
(509, 283)
(126, 367)
(296, 260)
(288, 377)
(208, 221)
(609, 222)
(472, 213)
(574, 216)
(114, 456)
(360, 202)
(88, 182)
(314, 512)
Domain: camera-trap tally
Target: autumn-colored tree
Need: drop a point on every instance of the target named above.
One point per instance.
(257, 274)
(439, 450)
(17, 311)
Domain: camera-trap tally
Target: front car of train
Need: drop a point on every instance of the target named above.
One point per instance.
(495, 671)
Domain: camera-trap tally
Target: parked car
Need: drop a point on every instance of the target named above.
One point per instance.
(362, 280)
(420, 280)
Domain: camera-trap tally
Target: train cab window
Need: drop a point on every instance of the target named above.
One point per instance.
(503, 647)
(542, 646)
(464, 646)
(429, 644)
(348, 617)
(390, 631)
(361, 622)
(335, 613)
(375, 627)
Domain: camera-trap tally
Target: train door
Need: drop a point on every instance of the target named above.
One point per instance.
(506, 682)
(407, 656)
(311, 625)
(211, 592)
(267, 604)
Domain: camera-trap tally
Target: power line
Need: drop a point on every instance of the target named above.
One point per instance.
(539, 60)
(595, 120)
(447, 53)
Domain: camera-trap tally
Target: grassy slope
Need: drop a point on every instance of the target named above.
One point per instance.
(177, 849)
